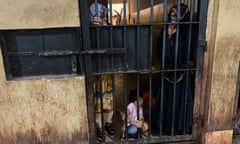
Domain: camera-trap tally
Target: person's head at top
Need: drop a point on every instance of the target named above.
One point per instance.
(98, 14)
(173, 17)
(133, 98)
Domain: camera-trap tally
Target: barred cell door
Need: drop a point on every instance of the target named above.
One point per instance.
(143, 65)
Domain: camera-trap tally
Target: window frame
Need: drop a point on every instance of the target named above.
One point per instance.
(72, 55)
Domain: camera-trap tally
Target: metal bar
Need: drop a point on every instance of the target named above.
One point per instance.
(138, 35)
(163, 65)
(104, 51)
(101, 95)
(125, 104)
(188, 60)
(203, 9)
(58, 53)
(138, 59)
(175, 67)
(83, 9)
(150, 67)
(110, 8)
(112, 65)
(138, 11)
(144, 71)
(138, 87)
(125, 64)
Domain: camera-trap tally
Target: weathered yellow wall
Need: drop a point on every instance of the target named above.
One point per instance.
(47, 111)
(223, 56)
(25, 14)
(218, 137)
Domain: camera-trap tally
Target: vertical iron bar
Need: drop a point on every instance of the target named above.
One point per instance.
(138, 57)
(138, 11)
(188, 60)
(163, 64)
(99, 71)
(125, 104)
(83, 9)
(150, 67)
(175, 67)
(138, 87)
(125, 65)
(110, 8)
(201, 46)
(101, 94)
(112, 65)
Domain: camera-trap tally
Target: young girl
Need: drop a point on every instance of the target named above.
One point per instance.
(135, 115)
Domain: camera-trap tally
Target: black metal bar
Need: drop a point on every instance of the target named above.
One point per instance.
(58, 53)
(125, 68)
(163, 65)
(110, 8)
(138, 58)
(138, 35)
(138, 87)
(138, 11)
(83, 8)
(101, 95)
(188, 60)
(112, 65)
(144, 71)
(201, 47)
(175, 67)
(105, 51)
(150, 67)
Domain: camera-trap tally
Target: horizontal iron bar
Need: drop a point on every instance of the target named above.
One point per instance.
(104, 51)
(150, 24)
(145, 71)
(58, 53)
(46, 53)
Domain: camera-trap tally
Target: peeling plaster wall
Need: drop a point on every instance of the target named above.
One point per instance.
(26, 14)
(224, 53)
(221, 63)
(42, 111)
(222, 58)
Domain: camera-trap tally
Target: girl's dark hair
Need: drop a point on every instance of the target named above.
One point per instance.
(133, 95)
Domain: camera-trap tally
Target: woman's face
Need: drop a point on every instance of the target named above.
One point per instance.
(173, 17)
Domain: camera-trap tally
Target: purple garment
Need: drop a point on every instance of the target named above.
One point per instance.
(98, 10)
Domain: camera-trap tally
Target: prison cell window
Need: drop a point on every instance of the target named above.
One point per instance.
(49, 53)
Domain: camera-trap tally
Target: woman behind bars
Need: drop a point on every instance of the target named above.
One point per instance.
(177, 88)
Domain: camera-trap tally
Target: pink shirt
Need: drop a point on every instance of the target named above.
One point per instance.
(132, 108)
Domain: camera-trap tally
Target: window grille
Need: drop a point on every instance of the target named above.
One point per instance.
(46, 52)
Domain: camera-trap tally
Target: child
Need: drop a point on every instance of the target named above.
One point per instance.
(135, 119)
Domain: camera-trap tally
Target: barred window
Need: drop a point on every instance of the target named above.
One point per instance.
(52, 52)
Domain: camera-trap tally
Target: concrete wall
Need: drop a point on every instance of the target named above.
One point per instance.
(28, 14)
(33, 111)
(47, 111)
(41, 111)
(222, 58)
